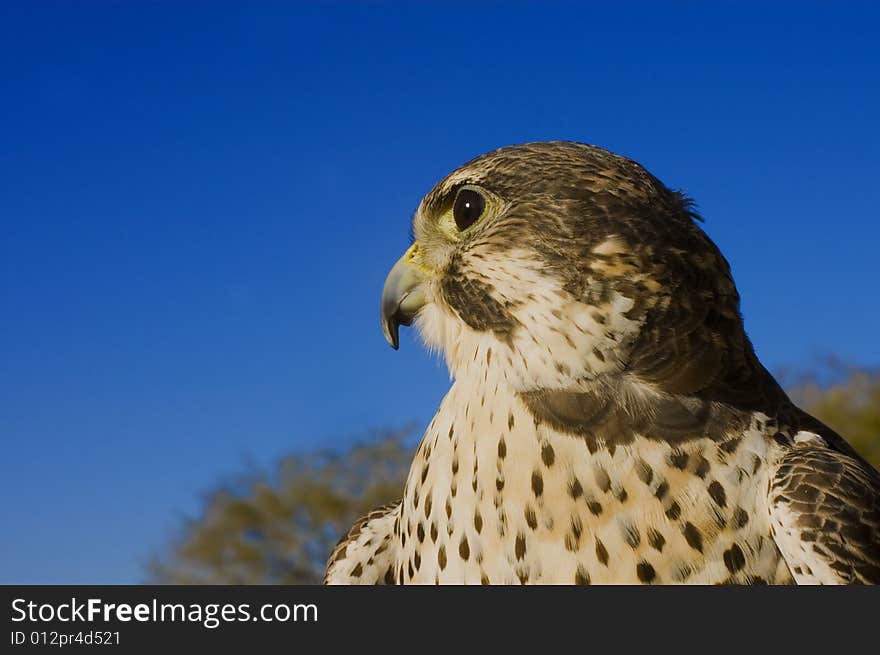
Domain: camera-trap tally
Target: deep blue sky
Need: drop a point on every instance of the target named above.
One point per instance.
(199, 203)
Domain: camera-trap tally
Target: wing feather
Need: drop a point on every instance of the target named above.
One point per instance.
(825, 511)
(366, 554)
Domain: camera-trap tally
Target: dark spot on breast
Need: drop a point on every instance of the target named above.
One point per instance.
(531, 519)
(661, 490)
(645, 473)
(575, 490)
(547, 455)
(502, 448)
(478, 522)
(656, 539)
(434, 532)
(441, 557)
(420, 532)
(702, 467)
(537, 483)
(740, 517)
(730, 445)
(601, 552)
(645, 572)
(631, 534)
(716, 491)
(693, 537)
(678, 459)
(581, 577)
(682, 571)
(520, 546)
(673, 511)
(464, 549)
(595, 507)
(357, 570)
(734, 559)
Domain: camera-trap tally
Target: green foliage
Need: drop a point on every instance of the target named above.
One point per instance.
(849, 404)
(279, 530)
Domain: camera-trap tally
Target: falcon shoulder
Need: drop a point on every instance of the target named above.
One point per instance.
(825, 511)
(366, 554)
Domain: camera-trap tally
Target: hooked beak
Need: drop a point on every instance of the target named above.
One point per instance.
(402, 296)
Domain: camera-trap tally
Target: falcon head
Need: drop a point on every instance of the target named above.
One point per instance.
(554, 264)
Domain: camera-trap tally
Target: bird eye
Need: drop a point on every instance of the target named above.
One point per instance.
(469, 207)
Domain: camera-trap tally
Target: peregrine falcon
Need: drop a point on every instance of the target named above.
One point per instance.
(608, 420)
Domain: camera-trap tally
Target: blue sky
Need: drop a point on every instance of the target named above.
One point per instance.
(199, 203)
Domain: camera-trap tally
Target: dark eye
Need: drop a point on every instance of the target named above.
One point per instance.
(469, 207)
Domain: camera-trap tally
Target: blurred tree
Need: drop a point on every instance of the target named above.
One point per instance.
(279, 530)
(265, 530)
(846, 399)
